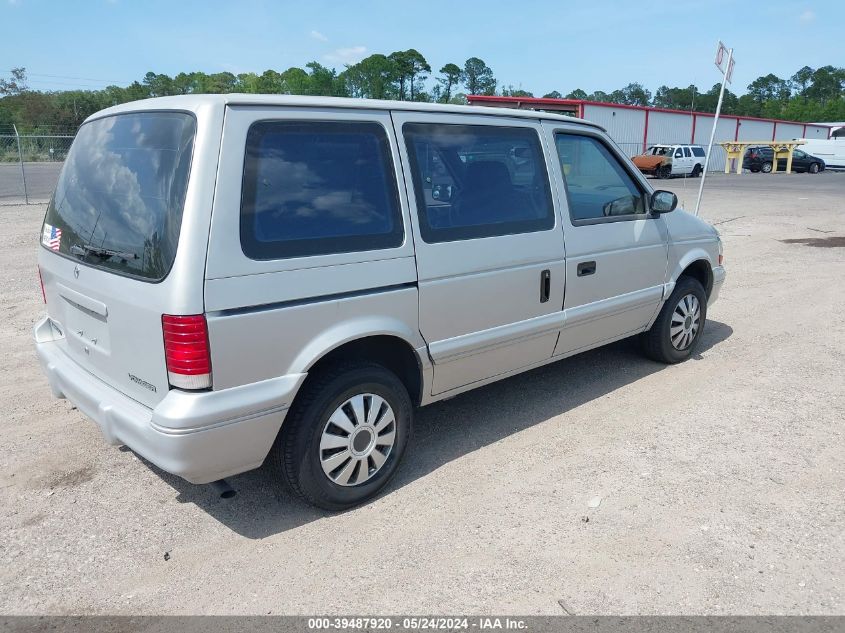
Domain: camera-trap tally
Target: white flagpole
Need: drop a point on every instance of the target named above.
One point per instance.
(713, 131)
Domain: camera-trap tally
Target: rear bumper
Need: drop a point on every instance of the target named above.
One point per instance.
(719, 274)
(202, 436)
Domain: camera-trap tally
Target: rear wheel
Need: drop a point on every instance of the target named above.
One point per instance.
(814, 168)
(766, 167)
(677, 330)
(345, 436)
(696, 171)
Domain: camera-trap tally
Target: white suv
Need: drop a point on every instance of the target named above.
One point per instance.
(665, 161)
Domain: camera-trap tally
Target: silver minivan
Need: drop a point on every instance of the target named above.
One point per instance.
(231, 279)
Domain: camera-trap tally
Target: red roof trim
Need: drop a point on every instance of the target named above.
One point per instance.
(580, 103)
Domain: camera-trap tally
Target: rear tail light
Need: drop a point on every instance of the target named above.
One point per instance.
(41, 281)
(186, 351)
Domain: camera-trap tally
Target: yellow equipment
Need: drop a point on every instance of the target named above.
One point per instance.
(781, 149)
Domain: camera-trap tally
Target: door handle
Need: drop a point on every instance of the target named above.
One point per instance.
(545, 285)
(586, 268)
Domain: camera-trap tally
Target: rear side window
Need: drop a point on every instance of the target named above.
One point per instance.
(697, 151)
(118, 203)
(318, 187)
(474, 181)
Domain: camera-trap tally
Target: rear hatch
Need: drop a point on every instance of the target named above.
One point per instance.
(109, 241)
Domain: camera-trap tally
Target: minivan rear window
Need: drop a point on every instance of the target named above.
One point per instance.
(318, 187)
(118, 203)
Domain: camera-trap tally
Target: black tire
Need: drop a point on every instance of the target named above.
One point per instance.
(696, 171)
(664, 172)
(755, 170)
(766, 167)
(814, 168)
(657, 342)
(295, 456)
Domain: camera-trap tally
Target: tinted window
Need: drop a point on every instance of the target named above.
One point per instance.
(317, 187)
(597, 184)
(679, 153)
(697, 151)
(687, 152)
(476, 181)
(118, 203)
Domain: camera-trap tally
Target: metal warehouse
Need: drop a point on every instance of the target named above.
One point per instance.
(636, 127)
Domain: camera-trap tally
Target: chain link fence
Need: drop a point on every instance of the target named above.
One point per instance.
(30, 166)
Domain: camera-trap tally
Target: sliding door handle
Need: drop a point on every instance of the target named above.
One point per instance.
(586, 268)
(545, 285)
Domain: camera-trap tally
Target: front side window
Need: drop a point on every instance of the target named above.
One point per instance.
(679, 153)
(687, 152)
(597, 184)
(475, 181)
(318, 187)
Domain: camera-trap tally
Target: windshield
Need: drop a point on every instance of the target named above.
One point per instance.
(118, 203)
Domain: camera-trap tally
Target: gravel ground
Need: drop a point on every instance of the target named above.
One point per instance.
(720, 480)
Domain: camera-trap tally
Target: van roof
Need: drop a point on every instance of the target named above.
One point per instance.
(192, 102)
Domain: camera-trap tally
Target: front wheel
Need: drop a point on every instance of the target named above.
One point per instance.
(345, 435)
(664, 172)
(766, 168)
(814, 168)
(675, 334)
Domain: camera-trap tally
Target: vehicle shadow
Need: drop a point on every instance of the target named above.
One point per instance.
(262, 508)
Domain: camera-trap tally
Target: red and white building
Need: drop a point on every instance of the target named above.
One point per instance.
(636, 127)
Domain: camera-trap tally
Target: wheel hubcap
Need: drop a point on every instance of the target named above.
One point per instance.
(357, 439)
(686, 320)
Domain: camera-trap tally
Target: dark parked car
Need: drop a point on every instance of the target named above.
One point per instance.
(761, 158)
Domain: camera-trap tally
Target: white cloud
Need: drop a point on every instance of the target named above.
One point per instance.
(319, 36)
(349, 55)
(808, 16)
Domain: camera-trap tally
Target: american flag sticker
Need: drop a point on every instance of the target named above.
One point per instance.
(51, 237)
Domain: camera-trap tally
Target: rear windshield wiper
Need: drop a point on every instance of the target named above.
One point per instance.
(96, 251)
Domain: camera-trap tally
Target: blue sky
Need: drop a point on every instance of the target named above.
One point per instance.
(538, 45)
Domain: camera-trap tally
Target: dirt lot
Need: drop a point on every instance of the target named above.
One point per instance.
(721, 480)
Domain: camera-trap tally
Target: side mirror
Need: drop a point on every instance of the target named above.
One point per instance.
(663, 201)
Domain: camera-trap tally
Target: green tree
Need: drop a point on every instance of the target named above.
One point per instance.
(158, 85)
(371, 78)
(769, 88)
(801, 80)
(510, 91)
(636, 94)
(16, 84)
(452, 74)
(293, 81)
(554, 94)
(827, 84)
(578, 94)
(478, 77)
(324, 81)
